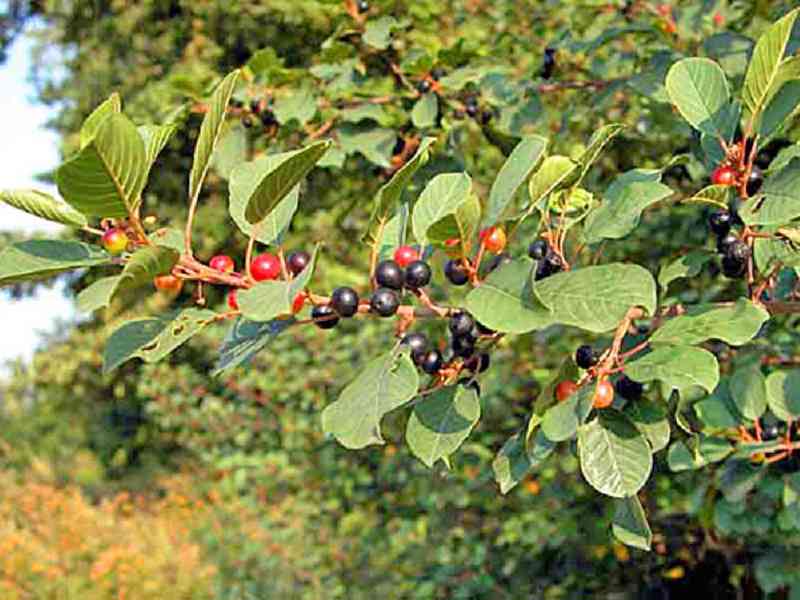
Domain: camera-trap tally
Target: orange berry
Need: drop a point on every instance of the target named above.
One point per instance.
(603, 394)
(493, 239)
(565, 389)
(168, 283)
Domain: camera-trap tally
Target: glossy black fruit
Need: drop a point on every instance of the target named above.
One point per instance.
(733, 268)
(431, 362)
(344, 301)
(384, 302)
(538, 249)
(585, 357)
(423, 86)
(720, 222)
(455, 272)
(389, 274)
(725, 242)
(418, 343)
(463, 346)
(324, 316)
(480, 363)
(418, 274)
(628, 388)
(255, 106)
(268, 118)
(754, 181)
(738, 250)
(461, 324)
(549, 266)
(362, 6)
(297, 261)
(770, 432)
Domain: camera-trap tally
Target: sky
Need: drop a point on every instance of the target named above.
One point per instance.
(26, 149)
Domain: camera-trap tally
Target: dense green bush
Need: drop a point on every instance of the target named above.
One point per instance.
(592, 146)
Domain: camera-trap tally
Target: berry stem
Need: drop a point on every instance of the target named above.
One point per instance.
(284, 270)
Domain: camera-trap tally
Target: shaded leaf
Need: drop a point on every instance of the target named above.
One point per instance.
(245, 339)
(513, 462)
(687, 266)
(630, 523)
(749, 391)
(40, 259)
(783, 394)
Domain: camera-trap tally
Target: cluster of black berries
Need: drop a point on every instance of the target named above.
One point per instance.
(425, 85)
(587, 357)
(472, 108)
(547, 261)
(256, 110)
(735, 253)
(464, 331)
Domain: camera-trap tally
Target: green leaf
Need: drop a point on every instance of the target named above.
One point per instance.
(441, 422)
(651, 419)
(438, 212)
(423, 115)
(766, 61)
(373, 112)
(615, 457)
(512, 175)
(718, 411)
(154, 138)
(597, 143)
(245, 339)
(373, 143)
(562, 420)
(781, 106)
(781, 202)
(735, 325)
(504, 301)
(98, 295)
(749, 391)
(231, 151)
(783, 394)
(567, 371)
(383, 385)
(273, 185)
(40, 259)
(210, 132)
(168, 238)
(106, 178)
(110, 106)
(154, 338)
(243, 181)
(43, 206)
(269, 299)
(513, 462)
(378, 32)
(630, 523)
(394, 234)
(686, 267)
(300, 106)
(708, 450)
(716, 195)
(680, 367)
(389, 194)
(550, 177)
(698, 89)
(623, 203)
(597, 298)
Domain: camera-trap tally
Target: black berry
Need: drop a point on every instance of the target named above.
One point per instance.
(236, 103)
(471, 106)
(424, 86)
(538, 249)
(418, 274)
(733, 268)
(389, 274)
(754, 181)
(585, 357)
(461, 324)
(456, 272)
(324, 316)
(628, 388)
(418, 344)
(770, 432)
(463, 346)
(297, 261)
(478, 363)
(548, 63)
(362, 6)
(726, 241)
(344, 301)
(384, 302)
(720, 222)
(431, 362)
(268, 118)
(738, 250)
(550, 265)
(486, 117)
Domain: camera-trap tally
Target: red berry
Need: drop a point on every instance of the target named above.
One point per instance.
(405, 255)
(298, 302)
(664, 10)
(493, 239)
(565, 389)
(168, 283)
(603, 394)
(115, 240)
(223, 263)
(719, 19)
(265, 266)
(232, 302)
(723, 176)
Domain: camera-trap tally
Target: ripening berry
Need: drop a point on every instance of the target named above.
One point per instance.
(265, 267)
(297, 261)
(664, 10)
(115, 240)
(493, 239)
(233, 303)
(298, 302)
(603, 394)
(723, 176)
(344, 301)
(222, 262)
(719, 19)
(565, 389)
(168, 283)
(324, 316)
(405, 255)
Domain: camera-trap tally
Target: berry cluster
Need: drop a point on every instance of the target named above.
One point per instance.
(548, 262)
(257, 110)
(734, 251)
